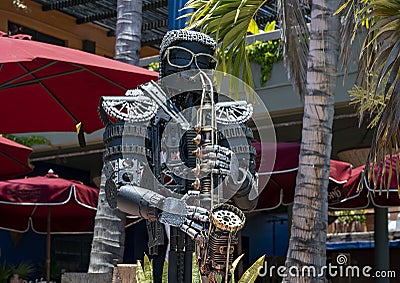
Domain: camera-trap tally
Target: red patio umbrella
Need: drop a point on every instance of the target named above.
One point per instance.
(280, 187)
(359, 192)
(48, 88)
(27, 201)
(13, 159)
(47, 204)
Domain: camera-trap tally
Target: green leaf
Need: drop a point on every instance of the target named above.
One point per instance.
(165, 273)
(227, 21)
(238, 10)
(148, 268)
(196, 276)
(139, 273)
(251, 274)
(342, 7)
(233, 36)
(270, 26)
(234, 264)
(28, 140)
(253, 27)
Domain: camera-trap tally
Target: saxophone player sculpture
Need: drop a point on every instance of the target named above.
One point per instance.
(178, 157)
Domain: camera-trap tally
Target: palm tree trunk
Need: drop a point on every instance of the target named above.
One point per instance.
(109, 231)
(307, 245)
(109, 235)
(128, 31)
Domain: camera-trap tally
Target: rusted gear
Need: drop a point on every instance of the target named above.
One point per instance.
(227, 217)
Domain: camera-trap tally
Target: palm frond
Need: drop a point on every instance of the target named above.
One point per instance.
(295, 40)
(227, 21)
(352, 13)
(381, 55)
(373, 105)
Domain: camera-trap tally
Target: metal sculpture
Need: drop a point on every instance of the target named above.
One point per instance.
(176, 156)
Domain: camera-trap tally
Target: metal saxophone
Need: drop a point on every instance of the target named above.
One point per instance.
(215, 253)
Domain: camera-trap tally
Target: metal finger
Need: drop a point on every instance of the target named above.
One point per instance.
(194, 234)
(218, 164)
(221, 171)
(197, 209)
(218, 156)
(218, 149)
(199, 214)
(191, 223)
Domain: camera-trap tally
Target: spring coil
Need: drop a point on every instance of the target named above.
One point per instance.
(191, 147)
(206, 180)
(205, 186)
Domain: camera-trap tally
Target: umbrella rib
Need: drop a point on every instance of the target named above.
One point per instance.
(27, 73)
(100, 76)
(33, 212)
(35, 81)
(13, 159)
(54, 97)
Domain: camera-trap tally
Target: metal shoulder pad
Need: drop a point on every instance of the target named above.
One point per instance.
(135, 106)
(233, 112)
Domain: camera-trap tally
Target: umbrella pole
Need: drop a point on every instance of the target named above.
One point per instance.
(48, 245)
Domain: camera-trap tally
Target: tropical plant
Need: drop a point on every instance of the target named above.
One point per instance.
(109, 230)
(144, 274)
(23, 269)
(230, 21)
(378, 75)
(196, 276)
(265, 53)
(128, 31)
(373, 104)
(350, 216)
(154, 66)
(28, 140)
(313, 73)
(251, 274)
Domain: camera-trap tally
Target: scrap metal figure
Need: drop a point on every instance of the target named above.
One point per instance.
(177, 157)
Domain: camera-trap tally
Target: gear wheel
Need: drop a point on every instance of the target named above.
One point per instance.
(227, 217)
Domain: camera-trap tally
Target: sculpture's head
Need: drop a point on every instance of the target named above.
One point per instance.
(182, 50)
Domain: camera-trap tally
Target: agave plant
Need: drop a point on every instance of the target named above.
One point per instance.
(144, 274)
(23, 269)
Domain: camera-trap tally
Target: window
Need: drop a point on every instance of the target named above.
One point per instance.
(14, 28)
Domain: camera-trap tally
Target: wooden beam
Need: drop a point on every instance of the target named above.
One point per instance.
(64, 4)
(97, 17)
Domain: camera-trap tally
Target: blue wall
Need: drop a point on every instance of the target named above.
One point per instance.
(173, 13)
(28, 247)
(267, 235)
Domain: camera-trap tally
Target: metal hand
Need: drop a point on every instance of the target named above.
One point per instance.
(197, 231)
(190, 219)
(222, 161)
(218, 159)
